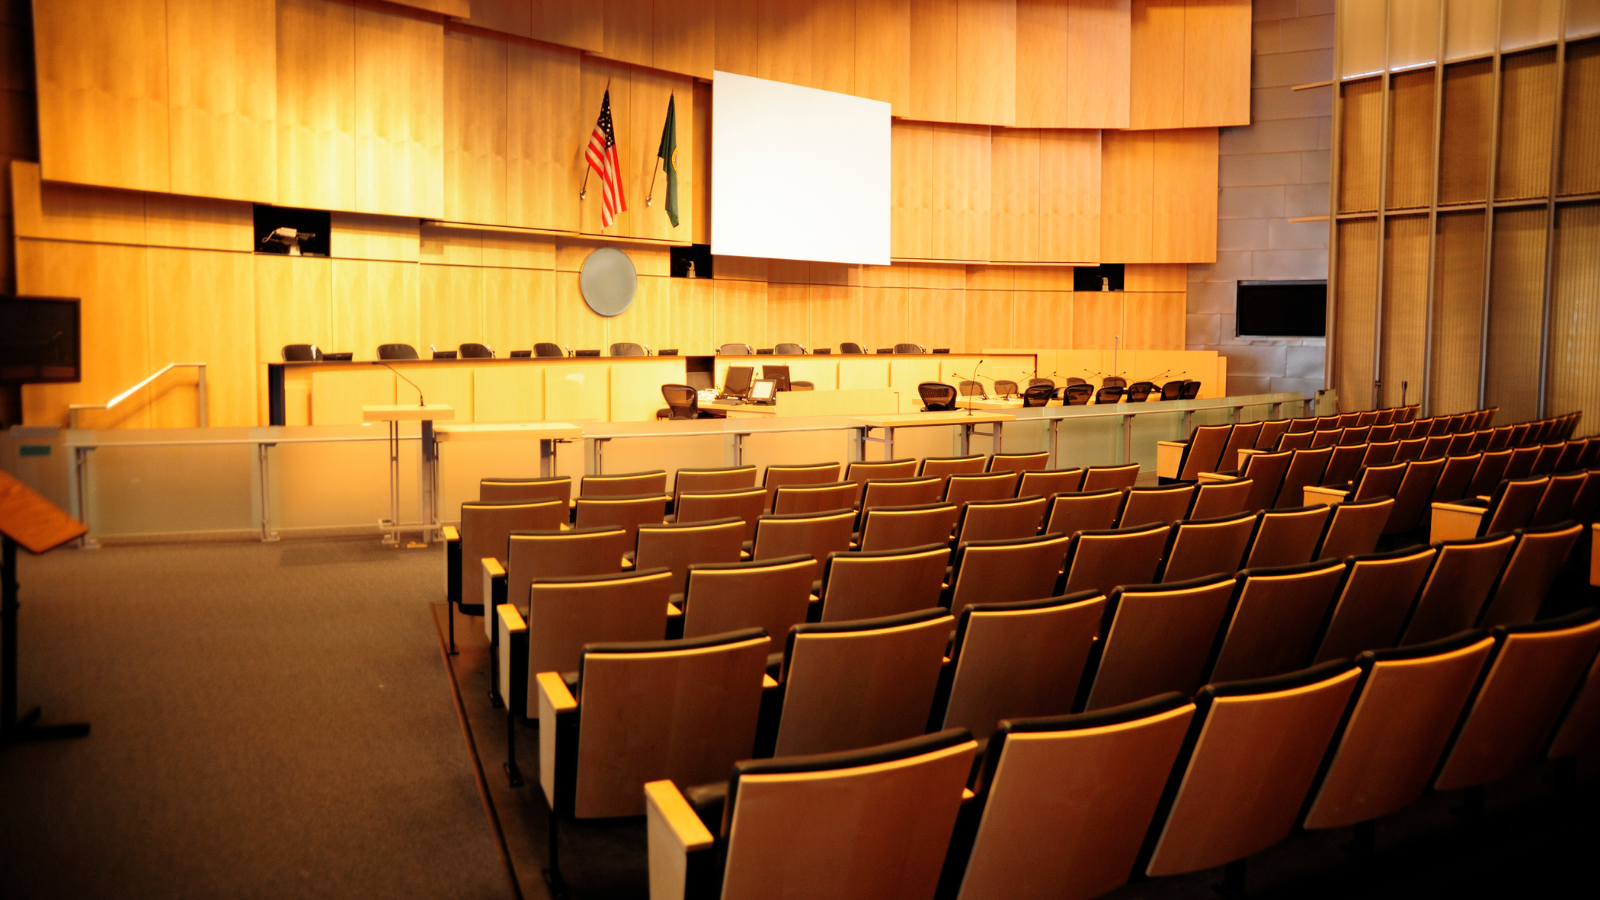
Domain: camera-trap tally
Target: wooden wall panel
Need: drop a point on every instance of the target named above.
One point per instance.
(519, 308)
(109, 281)
(629, 25)
(1156, 48)
(885, 317)
(570, 23)
(223, 98)
(1043, 61)
(694, 311)
(648, 320)
(1096, 319)
(1042, 319)
(1098, 61)
(935, 25)
(199, 222)
(1014, 195)
(1216, 63)
(740, 313)
(1157, 278)
(1184, 203)
(784, 41)
(102, 82)
(960, 192)
(835, 315)
(576, 324)
(883, 53)
(990, 320)
(788, 313)
(911, 191)
(738, 36)
(202, 309)
(450, 304)
(648, 112)
(507, 16)
(833, 45)
(545, 136)
(476, 111)
(294, 305)
(685, 36)
(1127, 173)
(374, 303)
(399, 113)
(937, 318)
(1069, 196)
(698, 168)
(73, 213)
(316, 116)
(1152, 321)
(986, 52)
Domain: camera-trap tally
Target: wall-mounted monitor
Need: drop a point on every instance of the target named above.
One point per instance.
(1286, 309)
(39, 340)
(798, 173)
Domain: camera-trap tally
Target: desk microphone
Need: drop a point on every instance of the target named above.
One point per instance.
(420, 401)
(646, 349)
(980, 384)
(568, 348)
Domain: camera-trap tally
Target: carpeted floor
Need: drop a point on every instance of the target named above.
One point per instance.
(269, 720)
(278, 721)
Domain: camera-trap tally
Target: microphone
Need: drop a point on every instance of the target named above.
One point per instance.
(568, 348)
(646, 349)
(420, 401)
(980, 385)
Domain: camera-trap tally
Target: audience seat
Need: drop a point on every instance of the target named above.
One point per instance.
(770, 594)
(872, 584)
(719, 479)
(501, 490)
(1373, 601)
(816, 473)
(652, 482)
(1102, 560)
(1491, 471)
(1018, 462)
(1198, 548)
(1099, 478)
(743, 503)
(1457, 587)
(1529, 573)
(998, 520)
(482, 535)
(1072, 512)
(1511, 506)
(901, 491)
(1160, 638)
(629, 510)
(1286, 537)
(1274, 619)
(899, 527)
(1221, 498)
(1046, 482)
(815, 534)
(1353, 529)
(1155, 505)
(678, 545)
(1005, 571)
(1265, 473)
(806, 498)
(960, 489)
(945, 466)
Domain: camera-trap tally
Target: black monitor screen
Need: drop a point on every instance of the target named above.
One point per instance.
(1281, 309)
(38, 340)
(737, 381)
(780, 374)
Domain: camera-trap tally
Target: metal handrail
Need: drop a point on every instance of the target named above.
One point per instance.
(200, 393)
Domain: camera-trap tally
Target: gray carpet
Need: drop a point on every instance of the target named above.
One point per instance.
(268, 721)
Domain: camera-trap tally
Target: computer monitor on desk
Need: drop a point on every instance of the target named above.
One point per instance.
(763, 391)
(737, 382)
(779, 374)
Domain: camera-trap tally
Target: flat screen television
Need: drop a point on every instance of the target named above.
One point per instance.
(39, 340)
(1297, 309)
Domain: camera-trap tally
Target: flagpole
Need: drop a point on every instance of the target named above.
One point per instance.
(653, 172)
(583, 190)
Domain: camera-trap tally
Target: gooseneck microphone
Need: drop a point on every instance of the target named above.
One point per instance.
(980, 384)
(420, 401)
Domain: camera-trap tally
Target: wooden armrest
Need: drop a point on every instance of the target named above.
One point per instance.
(967, 794)
(558, 719)
(553, 691)
(452, 566)
(681, 848)
(1460, 508)
(1213, 476)
(1323, 496)
(511, 621)
(492, 567)
(494, 592)
(1454, 521)
(673, 610)
(450, 533)
(512, 658)
(768, 682)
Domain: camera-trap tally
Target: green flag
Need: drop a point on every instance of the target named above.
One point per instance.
(669, 159)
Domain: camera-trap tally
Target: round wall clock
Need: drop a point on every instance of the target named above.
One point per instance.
(608, 281)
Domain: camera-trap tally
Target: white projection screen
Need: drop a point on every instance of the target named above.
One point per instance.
(798, 173)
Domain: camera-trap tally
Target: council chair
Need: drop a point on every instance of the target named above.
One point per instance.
(546, 349)
(652, 482)
(746, 504)
(804, 498)
(1017, 659)
(629, 511)
(1099, 478)
(867, 584)
(397, 351)
(770, 594)
(1050, 829)
(501, 490)
(788, 348)
(1198, 548)
(1102, 560)
(1019, 462)
(1457, 588)
(1533, 673)
(301, 353)
(1155, 505)
(1076, 395)
(683, 402)
(1005, 571)
(998, 520)
(1049, 481)
(814, 534)
(876, 824)
(1353, 528)
(848, 685)
(937, 396)
(1529, 573)
(644, 713)
(1256, 749)
(1274, 620)
(1219, 499)
(960, 489)
(898, 527)
(473, 350)
(1159, 639)
(1374, 600)
(852, 348)
(678, 545)
(735, 349)
(816, 473)
(1286, 537)
(1072, 512)
(1407, 704)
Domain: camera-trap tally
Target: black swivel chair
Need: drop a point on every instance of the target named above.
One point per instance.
(627, 348)
(1006, 388)
(301, 353)
(1114, 381)
(937, 396)
(1191, 390)
(1038, 395)
(909, 348)
(397, 351)
(545, 348)
(735, 349)
(789, 349)
(852, 348)
(1111, 393)
(1076, 394)
(1172, 390)
(476, 351)
(1140, 391)
(683, 402)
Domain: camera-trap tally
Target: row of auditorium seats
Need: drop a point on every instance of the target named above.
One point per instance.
(814, 691)
(1073, 806)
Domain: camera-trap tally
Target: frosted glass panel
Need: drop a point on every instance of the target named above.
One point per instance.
(1413, 33)
(1361, 33)
(1469, 28)
(1583, 18)
(1524, 23)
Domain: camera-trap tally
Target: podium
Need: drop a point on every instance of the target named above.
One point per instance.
(29, 520)
(394, 415)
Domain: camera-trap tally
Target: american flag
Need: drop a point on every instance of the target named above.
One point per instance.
(602, 158)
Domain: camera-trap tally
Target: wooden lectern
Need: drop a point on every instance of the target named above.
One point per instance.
(28, 519)
(427, 477)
